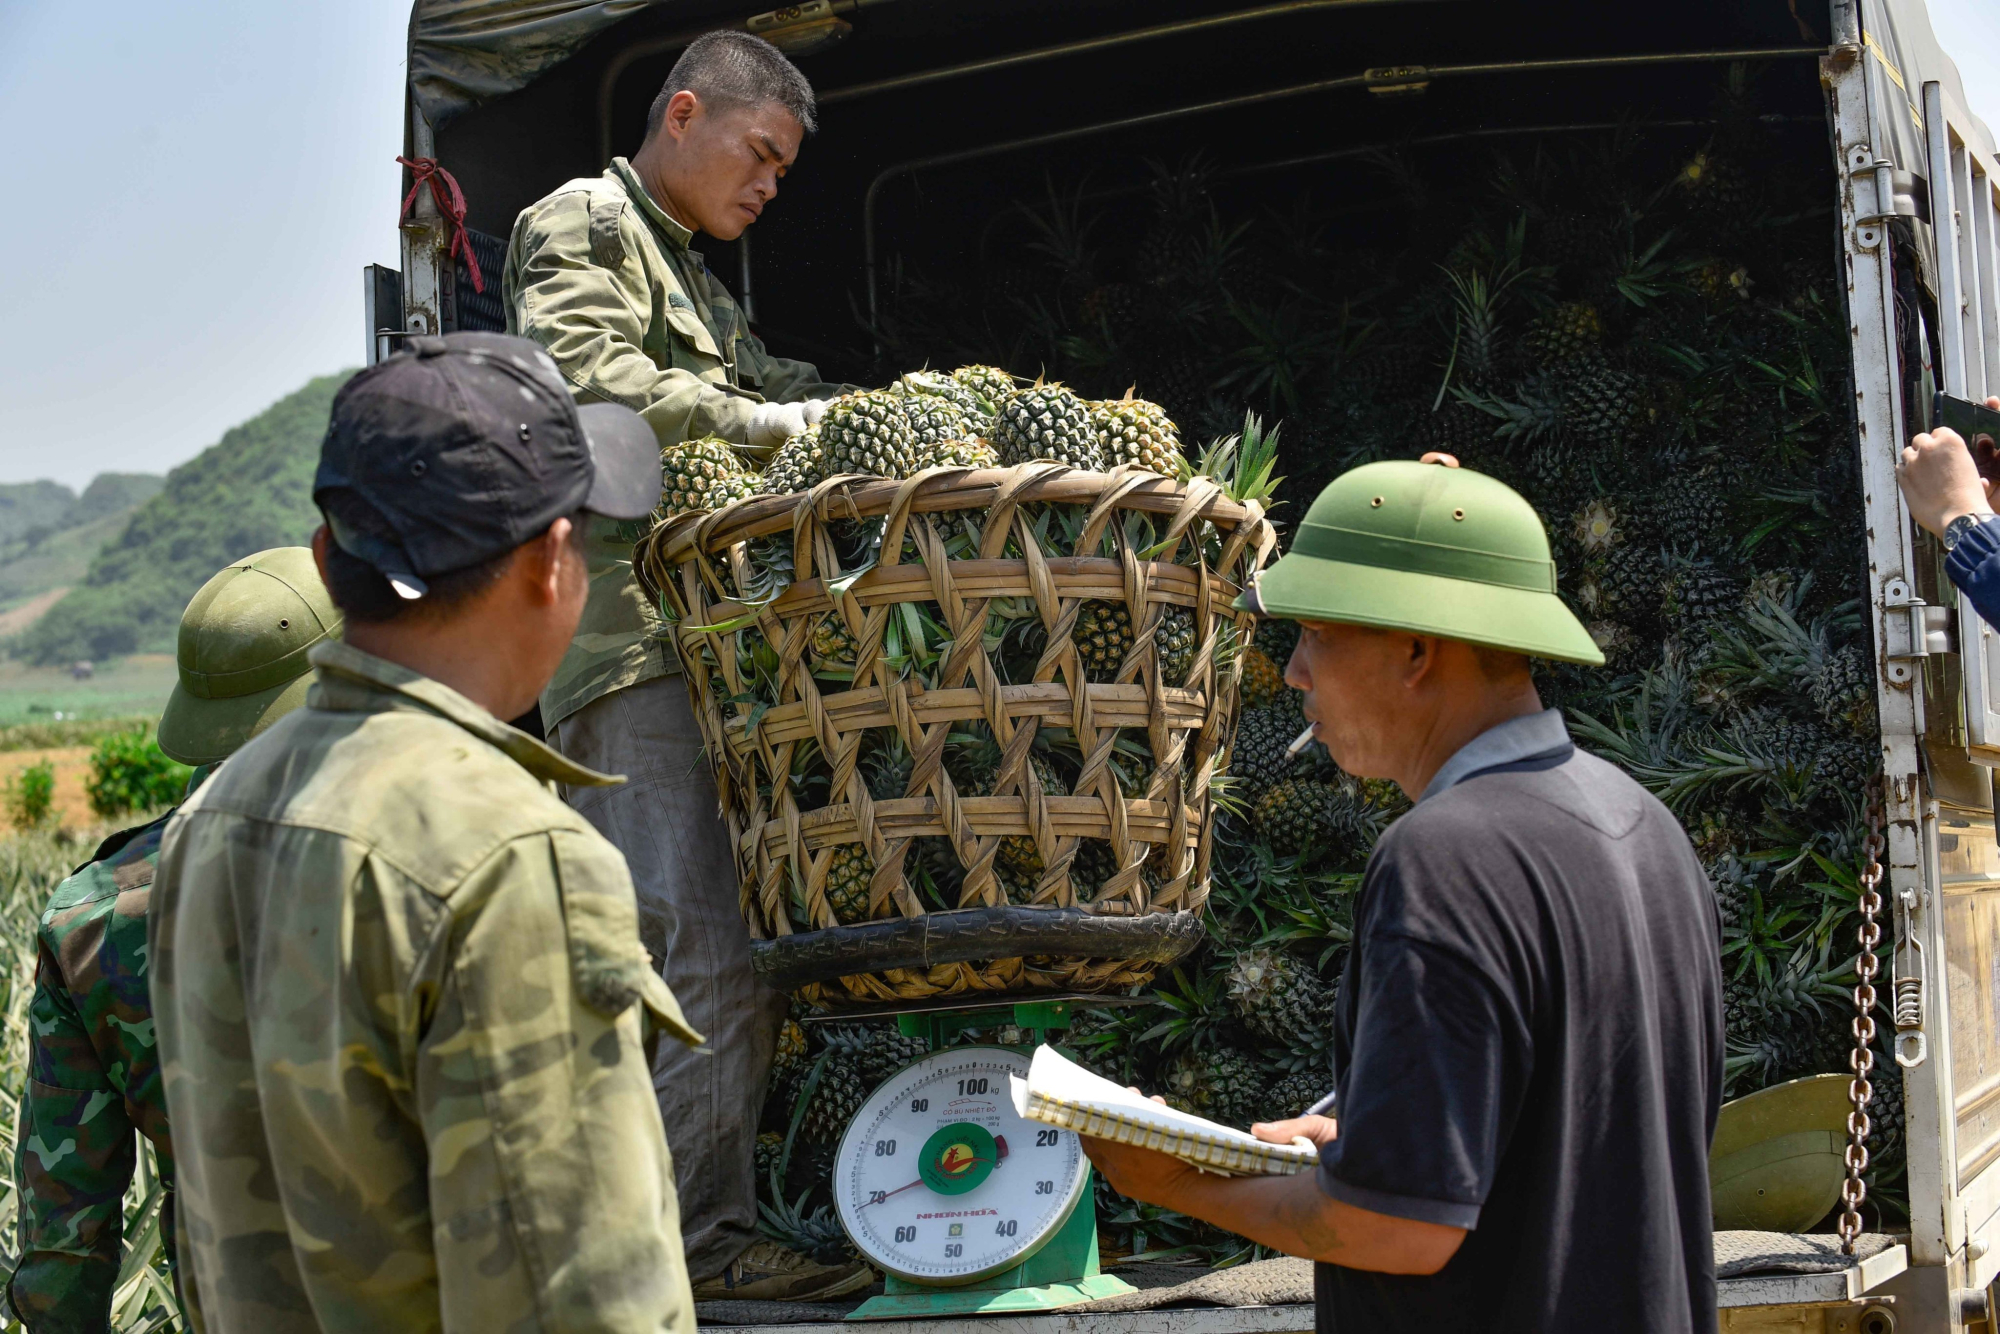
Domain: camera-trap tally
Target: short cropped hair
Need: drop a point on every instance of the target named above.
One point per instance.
(725, 69)
(364, 595)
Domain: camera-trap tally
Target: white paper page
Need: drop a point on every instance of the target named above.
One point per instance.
(1055, 1076)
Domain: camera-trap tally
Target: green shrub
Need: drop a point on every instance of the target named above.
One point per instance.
(129, 772)
(29, 796)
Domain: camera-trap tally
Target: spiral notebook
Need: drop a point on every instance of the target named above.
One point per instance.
(1059, 1092)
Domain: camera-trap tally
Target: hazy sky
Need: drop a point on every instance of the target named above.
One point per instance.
(196, 187)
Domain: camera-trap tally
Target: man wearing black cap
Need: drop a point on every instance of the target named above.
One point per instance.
(402, 1005)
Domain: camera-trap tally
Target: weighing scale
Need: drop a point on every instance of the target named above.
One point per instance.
(964, 1206)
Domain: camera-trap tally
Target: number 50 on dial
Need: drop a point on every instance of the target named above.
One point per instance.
(938, 1180)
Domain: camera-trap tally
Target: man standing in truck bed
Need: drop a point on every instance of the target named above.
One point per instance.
(600, 274)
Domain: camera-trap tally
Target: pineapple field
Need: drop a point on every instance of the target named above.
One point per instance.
(1640, 328)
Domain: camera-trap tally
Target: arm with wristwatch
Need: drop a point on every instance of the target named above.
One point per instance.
(1948, 497)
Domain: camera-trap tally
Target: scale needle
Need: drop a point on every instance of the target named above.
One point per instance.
(877, 1199)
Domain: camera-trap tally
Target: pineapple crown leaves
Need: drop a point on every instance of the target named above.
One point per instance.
(1645, 275)
(1242, 464)
(1062, 229)
(1535, 411)
(1195, 1010)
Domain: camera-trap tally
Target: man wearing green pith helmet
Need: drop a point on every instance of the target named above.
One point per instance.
(1528, 1042)
(93, 1062)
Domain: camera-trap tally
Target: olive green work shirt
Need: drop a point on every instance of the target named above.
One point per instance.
(601, 276)
(401, 1005)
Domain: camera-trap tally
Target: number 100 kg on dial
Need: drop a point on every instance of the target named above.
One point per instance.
(940, 1181)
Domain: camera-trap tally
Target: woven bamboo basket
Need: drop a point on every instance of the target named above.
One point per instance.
(1147, 912)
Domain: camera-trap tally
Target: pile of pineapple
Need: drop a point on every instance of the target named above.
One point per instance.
(1640, 331)
(974, 417)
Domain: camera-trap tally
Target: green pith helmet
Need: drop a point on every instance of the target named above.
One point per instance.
(1778, 1157)
(1433, 549)
(242, 654)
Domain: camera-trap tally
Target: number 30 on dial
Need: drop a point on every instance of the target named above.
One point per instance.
(938, 1180)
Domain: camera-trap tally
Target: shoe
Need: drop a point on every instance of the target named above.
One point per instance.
(767, 1272)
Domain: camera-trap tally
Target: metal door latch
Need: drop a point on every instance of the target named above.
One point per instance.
(1912, 1047)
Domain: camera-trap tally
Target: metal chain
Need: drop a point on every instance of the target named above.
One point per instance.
(1854, 1190)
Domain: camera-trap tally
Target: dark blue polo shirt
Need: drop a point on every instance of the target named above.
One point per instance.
(1529, 1045)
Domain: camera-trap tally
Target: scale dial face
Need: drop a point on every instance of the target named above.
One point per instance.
(938, 1179)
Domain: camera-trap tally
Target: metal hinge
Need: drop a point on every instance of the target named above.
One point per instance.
(1927, 629)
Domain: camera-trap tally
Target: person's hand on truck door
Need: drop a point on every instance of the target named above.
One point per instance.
(1940, 481)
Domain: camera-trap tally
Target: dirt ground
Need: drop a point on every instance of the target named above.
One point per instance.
(72, 804)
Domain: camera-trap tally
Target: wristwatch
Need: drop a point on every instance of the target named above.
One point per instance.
(1960, 526)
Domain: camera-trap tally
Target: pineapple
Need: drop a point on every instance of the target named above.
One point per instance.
(1281, 999)
(992, 385)
(1600, 404)
(1018, 886)
(1564, 333)
(770, 1154)
(1017, 851)
(1174, 641)
(960, 454)
(1263, 679)
(1691, 507)
(1138, 433)
(1103, 636)
(1695, 595)
(841, 1090)
(790, 1053)
(1716, 184)
(1047, 421)
(1294, 1093)
(857, 1059)
(1302, 812)
(1223, 1085)
(831, 648)
(699, 475)
(1629, 586)
(1275, 638)
(847, 882)
(1596, 526)
(1842, 688)
(869, 432)
(798, 465)
(1263, 735)
(935, 421)
(975, 410)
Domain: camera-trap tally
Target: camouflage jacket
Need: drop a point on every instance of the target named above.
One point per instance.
(93, 1078)
(403, 1014)
(602, 276)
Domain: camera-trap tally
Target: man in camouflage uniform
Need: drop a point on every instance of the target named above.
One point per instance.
(93, 1067)
(600, 274)
(403, 1008)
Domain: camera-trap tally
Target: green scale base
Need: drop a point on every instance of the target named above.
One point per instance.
(1064, 1271)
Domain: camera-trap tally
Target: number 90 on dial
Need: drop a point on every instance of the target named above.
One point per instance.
(938, 1180)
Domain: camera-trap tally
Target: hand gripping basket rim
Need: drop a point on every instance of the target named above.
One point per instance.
(783, 853)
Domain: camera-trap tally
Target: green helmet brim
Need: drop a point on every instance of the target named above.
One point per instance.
(207, 731)
(1312, 588)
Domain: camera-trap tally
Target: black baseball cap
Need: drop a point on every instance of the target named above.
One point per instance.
(468, 445)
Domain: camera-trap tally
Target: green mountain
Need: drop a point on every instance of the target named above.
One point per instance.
(27, 506)
(250, 490)
(63, 533)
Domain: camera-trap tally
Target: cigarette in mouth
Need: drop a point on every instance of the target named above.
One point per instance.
(1305, 739)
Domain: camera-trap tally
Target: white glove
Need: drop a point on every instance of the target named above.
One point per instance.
(814, 408)
(772, 424)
